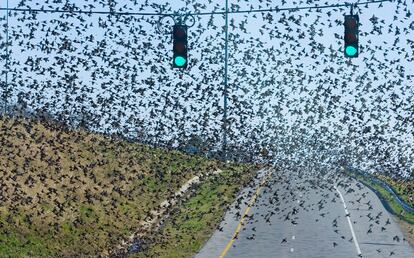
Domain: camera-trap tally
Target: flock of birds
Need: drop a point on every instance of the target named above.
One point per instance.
(290, 87)
(48, 173)
(290, 90)
(308, 201)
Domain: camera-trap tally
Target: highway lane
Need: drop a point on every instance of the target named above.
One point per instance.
(303, 215)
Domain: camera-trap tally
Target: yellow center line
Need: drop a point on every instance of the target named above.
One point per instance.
(226, 249)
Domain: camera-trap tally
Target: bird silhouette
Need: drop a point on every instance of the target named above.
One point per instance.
(290, 91)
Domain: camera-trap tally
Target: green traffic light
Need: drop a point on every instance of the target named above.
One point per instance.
(350, 51)
(180, 61)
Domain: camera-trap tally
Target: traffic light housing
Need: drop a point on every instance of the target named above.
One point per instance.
(351, 36)
(180, 59)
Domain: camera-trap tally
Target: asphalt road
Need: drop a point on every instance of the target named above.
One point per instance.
(300, 215)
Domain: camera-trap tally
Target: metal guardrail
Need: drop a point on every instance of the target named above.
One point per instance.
(386, 186)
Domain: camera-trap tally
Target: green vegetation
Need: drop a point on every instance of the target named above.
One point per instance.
(198, 217)
(69, 193)
(406, 219)
(404, 188)
(393, 204)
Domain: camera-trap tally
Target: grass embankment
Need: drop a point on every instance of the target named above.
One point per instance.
(189, 227)
(405, 219)
(74, 193)
(404, 188)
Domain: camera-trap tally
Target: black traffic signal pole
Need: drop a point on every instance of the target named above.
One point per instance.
(225, 83)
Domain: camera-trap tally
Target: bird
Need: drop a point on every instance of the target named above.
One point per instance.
(388, 222)
(290, 91)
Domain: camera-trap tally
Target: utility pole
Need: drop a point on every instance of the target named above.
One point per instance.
(225, 84)
(7, 59)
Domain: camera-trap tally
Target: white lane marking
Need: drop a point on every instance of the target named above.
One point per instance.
(349, 221)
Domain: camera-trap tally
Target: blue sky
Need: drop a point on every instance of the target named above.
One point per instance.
(288, 78)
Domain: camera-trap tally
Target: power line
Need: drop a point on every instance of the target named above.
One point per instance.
(276, 9)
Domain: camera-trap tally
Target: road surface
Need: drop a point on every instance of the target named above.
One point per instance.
(307, 215)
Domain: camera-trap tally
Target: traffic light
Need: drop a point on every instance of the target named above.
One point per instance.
(180, 46)
(351, 35)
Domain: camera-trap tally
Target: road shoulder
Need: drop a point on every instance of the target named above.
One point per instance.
(192, 221)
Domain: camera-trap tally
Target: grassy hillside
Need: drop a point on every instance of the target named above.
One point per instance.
(67, 193)
(192, 224)
(404, 188)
